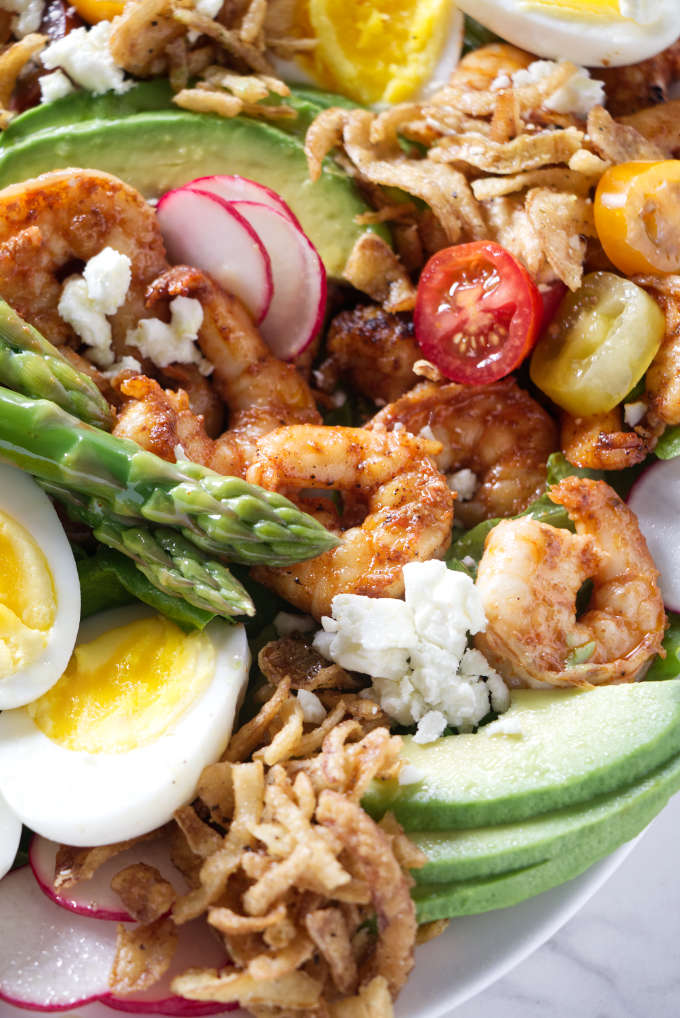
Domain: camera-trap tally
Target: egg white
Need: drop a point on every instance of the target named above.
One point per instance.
(83, 798)
(10, 835)
(594, 42)
(25, 502)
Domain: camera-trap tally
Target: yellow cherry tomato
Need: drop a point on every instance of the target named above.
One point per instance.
(93, 11)
(637, 216)
(599, 345)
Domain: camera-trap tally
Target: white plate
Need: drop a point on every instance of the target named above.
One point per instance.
(473, 953)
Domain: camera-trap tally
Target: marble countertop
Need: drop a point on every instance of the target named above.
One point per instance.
(619, 957)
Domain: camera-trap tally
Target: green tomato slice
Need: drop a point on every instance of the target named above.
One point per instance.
(599, 345)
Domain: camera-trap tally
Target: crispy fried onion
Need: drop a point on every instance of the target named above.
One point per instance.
(310, 896)
(13, 59)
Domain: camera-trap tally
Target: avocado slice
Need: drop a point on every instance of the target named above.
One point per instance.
(485, 851)
(148, 96)
(79, 107)
(575, 745)
(157, 151)
(607, 824)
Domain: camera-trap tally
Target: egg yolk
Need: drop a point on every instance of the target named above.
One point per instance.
(376, 50)
(579, 8)
(28, 602)
(125, 688)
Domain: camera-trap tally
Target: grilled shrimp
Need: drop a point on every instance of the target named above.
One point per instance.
(374, 350)
(261, 392)
(52, 223)
(498, 431)
(599, 442)
(397, 508)
(531, 574)
(479, 68)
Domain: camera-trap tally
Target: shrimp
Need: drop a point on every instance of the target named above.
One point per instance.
(529, 579)
(374, 350)
(261, 392)
(479, 68)
(498, 431)
(389, 479)
(600, 442)
(52, 224)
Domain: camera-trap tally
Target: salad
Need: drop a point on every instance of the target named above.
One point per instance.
(339, 425)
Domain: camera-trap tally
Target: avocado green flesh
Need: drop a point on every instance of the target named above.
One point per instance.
(148, 96)
(79, 107)
(482, 852)
(574, 747)
(156, 152)
(606, 826)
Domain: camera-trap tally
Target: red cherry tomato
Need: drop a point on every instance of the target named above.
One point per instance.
(478, 312)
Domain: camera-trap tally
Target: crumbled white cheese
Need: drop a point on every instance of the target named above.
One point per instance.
(313, 711)
(54, 86)
(634, 412)
(464, 483)
(209, 8)
(410, 775)
(87, 59)
(427, 433)
(578, 94)
(286, 623)
(28, 15)
(124, 364)
(415, 650)
(505, 726)
(86, 301)
(173, 343)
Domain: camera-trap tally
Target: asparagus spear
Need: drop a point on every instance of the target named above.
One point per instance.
(167, 560)
(223, 515)
(33, 366)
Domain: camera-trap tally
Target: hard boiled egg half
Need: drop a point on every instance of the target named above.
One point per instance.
(119, 742)
(377, 51)
(597, 33)
(39, 591)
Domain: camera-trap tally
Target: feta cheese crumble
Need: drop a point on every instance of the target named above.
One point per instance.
(578, 94)
(313, 711)
(173, 343)
(86, 301)
(416, 652)
(464, 483)
(28, 15)
(634, 412)
(86, 57)
(54, 86)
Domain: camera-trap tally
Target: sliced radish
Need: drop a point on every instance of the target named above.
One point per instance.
(94, 897)
(198, 947)
(654, 498)
(296, 311)
(234, 188)
(50, 959)
(203, 230)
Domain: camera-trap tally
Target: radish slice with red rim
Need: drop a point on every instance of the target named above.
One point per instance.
(198, 947)
(205, 231)
(235, 188)
(50, 959)
(296, 311)
(654, 498)
(94, 897)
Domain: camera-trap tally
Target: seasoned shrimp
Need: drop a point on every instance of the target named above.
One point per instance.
(55, 222)
(389, 479)
(531, 574)
(374, 350)
(498, 431)
(479, 68)
(261, 392)
(600, 442)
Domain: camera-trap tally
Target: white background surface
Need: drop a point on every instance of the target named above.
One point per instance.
(619, 957)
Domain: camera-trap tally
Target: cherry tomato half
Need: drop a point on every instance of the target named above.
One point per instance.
(637, 216)
(478, 312)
